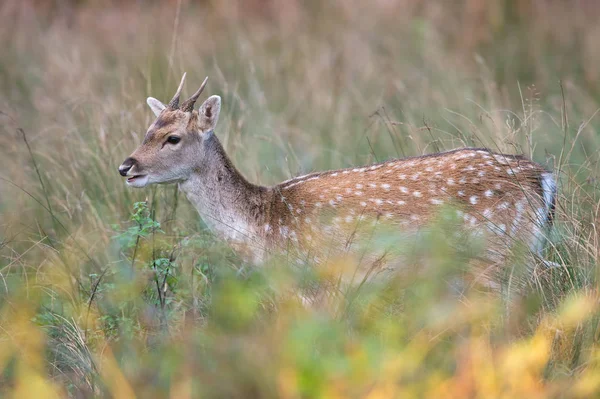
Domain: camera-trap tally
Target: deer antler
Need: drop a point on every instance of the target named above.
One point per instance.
(174, 104)
(188, 105)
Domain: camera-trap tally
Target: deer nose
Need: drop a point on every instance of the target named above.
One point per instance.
(126, 166)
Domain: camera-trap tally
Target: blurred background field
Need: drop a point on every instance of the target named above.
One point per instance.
(107, 291)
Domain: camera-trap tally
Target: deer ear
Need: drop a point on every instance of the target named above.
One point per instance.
(155, 105)
(208, 114)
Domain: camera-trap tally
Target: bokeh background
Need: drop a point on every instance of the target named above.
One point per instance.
(109, 291)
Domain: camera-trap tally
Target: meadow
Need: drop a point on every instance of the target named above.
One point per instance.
(106, 291)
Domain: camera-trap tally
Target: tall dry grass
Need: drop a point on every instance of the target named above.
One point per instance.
(305, 86)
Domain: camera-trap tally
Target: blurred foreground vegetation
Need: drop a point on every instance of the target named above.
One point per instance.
(107, 291)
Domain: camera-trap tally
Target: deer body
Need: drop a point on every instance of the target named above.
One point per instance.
(506, 197)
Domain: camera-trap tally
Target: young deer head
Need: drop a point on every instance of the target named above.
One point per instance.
(509, 198)
(172, 148)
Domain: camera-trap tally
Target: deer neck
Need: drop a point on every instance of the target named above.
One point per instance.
(230, 206)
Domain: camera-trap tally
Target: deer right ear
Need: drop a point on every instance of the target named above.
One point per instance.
(208, 114)
(155, 105)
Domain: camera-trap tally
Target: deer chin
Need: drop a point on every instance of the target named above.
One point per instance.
(137, 181)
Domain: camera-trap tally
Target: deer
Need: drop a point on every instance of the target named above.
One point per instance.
(507, 198)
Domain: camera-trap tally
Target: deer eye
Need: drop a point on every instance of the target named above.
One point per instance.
(173, 139)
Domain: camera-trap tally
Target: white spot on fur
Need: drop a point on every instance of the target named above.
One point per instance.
(318, 204)
(363, 203)
(401, 202)
(358, 193)
(473, 199)
(504, 205)
(386, 187)
(489, 193)
(436, 201)
(404, 189)
(284, 231)
(417, 194)
(461, 193)
(359, 186)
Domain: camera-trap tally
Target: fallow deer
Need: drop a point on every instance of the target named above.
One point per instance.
(508, 198)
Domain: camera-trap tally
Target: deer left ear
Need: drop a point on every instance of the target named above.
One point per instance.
(208, 114)
(155, 105)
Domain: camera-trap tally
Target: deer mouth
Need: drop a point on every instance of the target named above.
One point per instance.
(137, 180)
